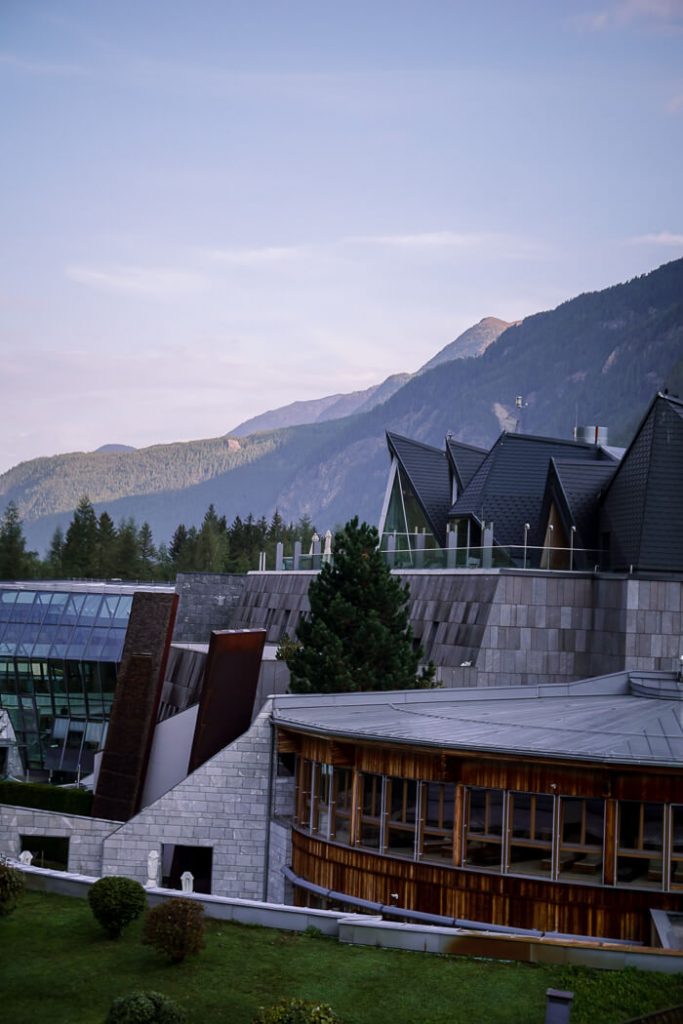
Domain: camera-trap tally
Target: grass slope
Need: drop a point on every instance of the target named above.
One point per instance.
(57, 965)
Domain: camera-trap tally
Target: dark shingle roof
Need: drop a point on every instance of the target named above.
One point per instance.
(465, 460)
(427, 471)
(577, 488)
(509, 487)
(642, 512)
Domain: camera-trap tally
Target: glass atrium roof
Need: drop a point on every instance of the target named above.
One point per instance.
(70, 625)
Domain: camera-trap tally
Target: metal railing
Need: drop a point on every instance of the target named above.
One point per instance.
(416, 551)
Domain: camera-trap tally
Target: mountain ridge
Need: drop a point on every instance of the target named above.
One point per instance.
(602, 354)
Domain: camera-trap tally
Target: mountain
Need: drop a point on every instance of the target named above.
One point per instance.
(115, 448)
(473, 342)
(597, 358)
(317, 410)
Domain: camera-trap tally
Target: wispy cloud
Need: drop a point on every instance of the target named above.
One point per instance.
(675, 104)
(154, 282)
(40, 68)
(668, 239)
(265, 256)
(503, 245)
(662, 14)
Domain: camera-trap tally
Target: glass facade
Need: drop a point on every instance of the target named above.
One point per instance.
(59, 652)
(541, 835)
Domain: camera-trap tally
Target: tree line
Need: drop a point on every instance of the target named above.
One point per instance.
(94, 547)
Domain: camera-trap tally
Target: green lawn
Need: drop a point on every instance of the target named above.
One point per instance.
(56, 965)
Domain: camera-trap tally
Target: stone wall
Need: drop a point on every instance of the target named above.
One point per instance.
(207, 601)
(224, 805)
(510, 627)
(86, 835)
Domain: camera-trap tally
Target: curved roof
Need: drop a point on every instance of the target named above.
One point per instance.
(597, 720)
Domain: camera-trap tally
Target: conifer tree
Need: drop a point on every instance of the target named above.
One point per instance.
(80, 555)
(357, 636)
(55, 555)
(106, 547)
(15, 561)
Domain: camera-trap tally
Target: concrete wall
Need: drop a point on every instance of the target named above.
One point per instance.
(224, 805)
(207, 601)
(86, 835)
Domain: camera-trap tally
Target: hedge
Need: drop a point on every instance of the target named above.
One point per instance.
(46, 798)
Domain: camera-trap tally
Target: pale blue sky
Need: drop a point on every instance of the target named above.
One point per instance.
(214, 208)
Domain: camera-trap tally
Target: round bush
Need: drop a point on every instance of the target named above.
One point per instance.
(175, 928)
(297, 1011)
(144, 1008)
(115, 902)
(11, 887)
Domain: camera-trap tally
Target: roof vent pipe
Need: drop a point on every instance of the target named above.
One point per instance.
(591, 435)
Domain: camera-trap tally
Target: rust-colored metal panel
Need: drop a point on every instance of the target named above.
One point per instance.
(134, 710)
(226, 705)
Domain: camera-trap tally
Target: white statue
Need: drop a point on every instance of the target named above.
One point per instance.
(153, 868)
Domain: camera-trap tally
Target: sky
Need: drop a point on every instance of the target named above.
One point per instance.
(215, 208)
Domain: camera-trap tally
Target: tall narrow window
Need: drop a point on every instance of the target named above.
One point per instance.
(641, 844)
(531, 834)
(677, 846)
(401, 817)
(371, 824)
(342, 807)
(322, 792)
(582, 826)
(484, 828)
(438, 802)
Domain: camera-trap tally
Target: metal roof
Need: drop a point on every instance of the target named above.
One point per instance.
(599, 720)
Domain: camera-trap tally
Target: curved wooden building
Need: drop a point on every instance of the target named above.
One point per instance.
(557, 808)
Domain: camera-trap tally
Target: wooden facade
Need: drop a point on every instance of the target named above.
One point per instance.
(607, 903)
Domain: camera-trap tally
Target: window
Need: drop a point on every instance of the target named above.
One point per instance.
(438, 803)
(531, 834)
(484, 828)
(342, 788)
(370, 825)
(402, 812)
(640, 846)
(677, 847)
(582, 824)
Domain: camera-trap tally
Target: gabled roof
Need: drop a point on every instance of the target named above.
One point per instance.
(576, 487)
(465, 460)
(508, 488)
(642, 510)
(427, 471)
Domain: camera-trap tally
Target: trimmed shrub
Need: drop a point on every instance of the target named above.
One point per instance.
(175, 928)
(11, 887)
(144, 1008)
(115, 902)
(46, 798)
(297, 1011)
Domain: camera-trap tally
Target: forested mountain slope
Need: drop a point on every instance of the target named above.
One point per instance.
(596, 359)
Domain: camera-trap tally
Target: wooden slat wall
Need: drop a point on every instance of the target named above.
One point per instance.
(500, 899)
(490, 771)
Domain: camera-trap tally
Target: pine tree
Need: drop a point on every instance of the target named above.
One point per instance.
(128, 551)
(357, 636)
(80, 555)
(15, 561)
(106, 547)
(147, 553)
(55, 555)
